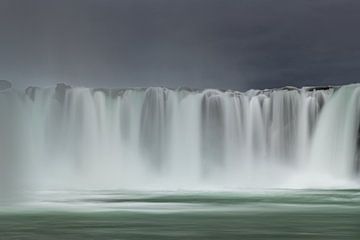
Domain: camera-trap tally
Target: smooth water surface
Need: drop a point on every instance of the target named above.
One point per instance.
(102, 215)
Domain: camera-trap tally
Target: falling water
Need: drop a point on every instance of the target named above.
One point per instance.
(334, 152)
(68, 137)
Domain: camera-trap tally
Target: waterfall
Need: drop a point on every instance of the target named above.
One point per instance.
(73, 137)
(334, 152)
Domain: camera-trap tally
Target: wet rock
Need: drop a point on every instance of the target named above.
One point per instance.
(289, 88)
(4, 84)
(318, 88)
(30, 91)
(60, 91)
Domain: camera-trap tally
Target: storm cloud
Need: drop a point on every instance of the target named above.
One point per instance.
(231, 44)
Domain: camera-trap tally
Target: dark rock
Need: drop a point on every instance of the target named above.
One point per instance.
(289, 88)
(60, 91)
(318, 88)
(30, 91)
(4, 84)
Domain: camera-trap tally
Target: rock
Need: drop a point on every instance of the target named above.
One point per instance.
(60, 91)
(319, 88)
(289, 88)
(30, 91)
(5, 85)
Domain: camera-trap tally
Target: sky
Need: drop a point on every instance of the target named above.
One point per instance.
(226, 44)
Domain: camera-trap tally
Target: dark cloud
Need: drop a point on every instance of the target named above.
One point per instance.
(236, 44)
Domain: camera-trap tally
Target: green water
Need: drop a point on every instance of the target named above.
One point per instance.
(276, 214)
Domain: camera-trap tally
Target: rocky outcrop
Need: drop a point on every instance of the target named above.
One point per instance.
(4, 84)
(60, 91)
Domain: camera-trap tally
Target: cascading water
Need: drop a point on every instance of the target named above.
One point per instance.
(67, 137)
(334, 152)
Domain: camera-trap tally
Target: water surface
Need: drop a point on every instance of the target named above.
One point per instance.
(271, 214)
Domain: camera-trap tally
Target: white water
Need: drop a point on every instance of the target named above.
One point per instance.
(178, 139)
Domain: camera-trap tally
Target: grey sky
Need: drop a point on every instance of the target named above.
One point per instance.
(237, 44)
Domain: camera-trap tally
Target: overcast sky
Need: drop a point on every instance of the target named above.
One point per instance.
(227, 44)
